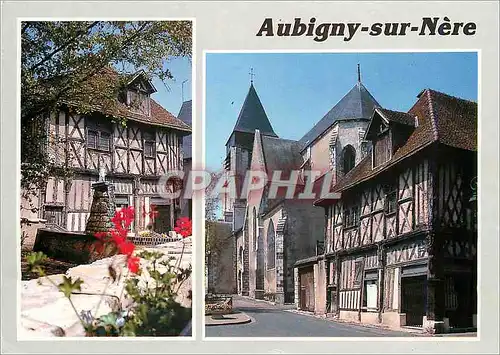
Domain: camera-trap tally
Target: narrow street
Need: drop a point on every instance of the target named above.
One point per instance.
(279, 321)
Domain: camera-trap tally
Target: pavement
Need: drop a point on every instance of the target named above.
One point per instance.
(269, 320)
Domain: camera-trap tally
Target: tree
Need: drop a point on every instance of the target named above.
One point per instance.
(68, 63)
(212, 201)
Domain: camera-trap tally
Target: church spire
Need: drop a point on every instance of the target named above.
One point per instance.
(359, 74)
(253, 116)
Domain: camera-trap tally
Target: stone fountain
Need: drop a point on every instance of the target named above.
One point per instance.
(79, 247)
(103, 206)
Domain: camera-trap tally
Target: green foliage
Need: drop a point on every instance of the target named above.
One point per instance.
(67, 287)
(35, 262)
(66, 63)
(157, 313)
(216, 237)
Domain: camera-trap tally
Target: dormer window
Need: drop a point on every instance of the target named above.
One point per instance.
(138, 101)
(388, 131)
(138, 92)
(382, 151)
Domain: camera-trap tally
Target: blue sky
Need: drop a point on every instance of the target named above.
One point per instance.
(171, 98)
(298, 89)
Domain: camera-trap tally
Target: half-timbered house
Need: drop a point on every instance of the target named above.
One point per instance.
(400, 243)
(133, 148)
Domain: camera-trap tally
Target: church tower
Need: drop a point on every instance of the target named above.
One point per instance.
(340, 133)
(239, 148)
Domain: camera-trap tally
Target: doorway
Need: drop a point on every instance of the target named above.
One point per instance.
(413, 299)
(163, 220)
(306, 283)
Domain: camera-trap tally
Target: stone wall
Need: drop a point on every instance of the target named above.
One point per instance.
(320, 287)
(70, 246)
(305, 226)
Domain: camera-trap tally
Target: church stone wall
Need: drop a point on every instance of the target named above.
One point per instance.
(320, 152)
(273, 283)
(305, 226)
(350, 133)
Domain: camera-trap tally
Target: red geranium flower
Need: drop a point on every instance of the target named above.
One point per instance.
(133, 264)
(184, 227)
(118, 235)
(126, 248)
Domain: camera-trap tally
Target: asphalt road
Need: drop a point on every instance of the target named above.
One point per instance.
(274, 321)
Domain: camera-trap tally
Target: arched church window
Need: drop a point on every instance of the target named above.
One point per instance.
(348, 158)
(271, 246)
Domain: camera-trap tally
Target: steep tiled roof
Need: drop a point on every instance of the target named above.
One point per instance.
(159, 115)
(357, 103)
(456, 120)
(185, 115)
(441, 118)
(253, 116)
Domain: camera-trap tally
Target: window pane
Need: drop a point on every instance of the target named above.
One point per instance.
(148, 149)
(92, 139)
(104, 141)
(371, 294)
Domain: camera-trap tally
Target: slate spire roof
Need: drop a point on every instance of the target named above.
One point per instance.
(357, 103)
(253, 116)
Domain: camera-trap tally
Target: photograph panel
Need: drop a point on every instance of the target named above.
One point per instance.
(343, 195)
(105, 144)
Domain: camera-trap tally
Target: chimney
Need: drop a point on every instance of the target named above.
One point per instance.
(416, 121)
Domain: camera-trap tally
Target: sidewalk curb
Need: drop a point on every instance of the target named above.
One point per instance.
(244, 319)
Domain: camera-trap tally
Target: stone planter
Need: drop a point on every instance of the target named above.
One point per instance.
(219, 306)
